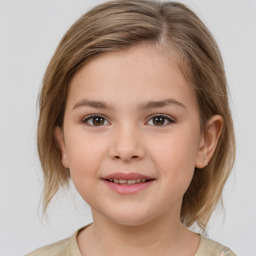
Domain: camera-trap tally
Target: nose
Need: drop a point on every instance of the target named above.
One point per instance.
(126, 144)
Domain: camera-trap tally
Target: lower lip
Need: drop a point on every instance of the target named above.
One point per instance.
(128, 189)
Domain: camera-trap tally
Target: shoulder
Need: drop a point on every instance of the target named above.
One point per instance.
(55, 249)
(211, 248)
(66, 247)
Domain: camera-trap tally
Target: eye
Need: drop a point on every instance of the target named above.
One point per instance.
(95, 120)
(160, 120)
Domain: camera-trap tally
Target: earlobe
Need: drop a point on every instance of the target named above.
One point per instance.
(59, 137)
(209, 141)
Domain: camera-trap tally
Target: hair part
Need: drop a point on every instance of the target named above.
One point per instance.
(119, 25)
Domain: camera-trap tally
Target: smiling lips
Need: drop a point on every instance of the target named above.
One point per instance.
(127, 183)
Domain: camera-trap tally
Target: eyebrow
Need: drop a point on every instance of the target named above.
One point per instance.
(93, 104)
(145, 106)
(160, 103)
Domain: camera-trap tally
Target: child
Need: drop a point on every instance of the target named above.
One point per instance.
(134, 109)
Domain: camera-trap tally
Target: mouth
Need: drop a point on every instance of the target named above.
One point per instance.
(127, 183)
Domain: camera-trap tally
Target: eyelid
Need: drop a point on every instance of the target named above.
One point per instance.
(88, 117)
(170, 119)
(166, 117)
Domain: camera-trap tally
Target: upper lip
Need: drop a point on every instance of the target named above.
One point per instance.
(127, 176)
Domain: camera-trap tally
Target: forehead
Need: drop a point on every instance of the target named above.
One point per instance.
(143, 69)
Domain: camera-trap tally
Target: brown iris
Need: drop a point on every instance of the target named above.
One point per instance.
(158, 120)
(97, 121)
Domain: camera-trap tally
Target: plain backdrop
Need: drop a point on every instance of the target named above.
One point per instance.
(29, 34)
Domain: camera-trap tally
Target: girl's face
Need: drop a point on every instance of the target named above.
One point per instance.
(131, 136)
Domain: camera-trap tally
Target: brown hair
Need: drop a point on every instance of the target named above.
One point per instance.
(118, 25)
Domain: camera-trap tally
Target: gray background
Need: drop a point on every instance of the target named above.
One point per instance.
(29, 34)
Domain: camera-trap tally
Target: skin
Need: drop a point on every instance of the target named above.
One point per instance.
(128, 139)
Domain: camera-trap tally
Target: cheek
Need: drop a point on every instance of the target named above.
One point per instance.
(175, 157)
(81, 146)
(85, 153)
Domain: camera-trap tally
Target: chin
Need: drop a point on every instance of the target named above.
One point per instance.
(131, 218)
(131, 222)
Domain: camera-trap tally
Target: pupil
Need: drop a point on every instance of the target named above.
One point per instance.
(158, 121)
(98, 120)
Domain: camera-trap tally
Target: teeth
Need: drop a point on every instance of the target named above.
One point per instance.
(129, 182)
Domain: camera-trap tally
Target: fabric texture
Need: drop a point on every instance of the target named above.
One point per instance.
(69, 247)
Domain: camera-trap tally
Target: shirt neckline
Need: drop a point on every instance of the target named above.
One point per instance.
(75, 251)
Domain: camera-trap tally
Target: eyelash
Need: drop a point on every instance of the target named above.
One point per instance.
(90, 117)
(165, 117)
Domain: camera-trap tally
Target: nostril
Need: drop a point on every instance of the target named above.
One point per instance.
(126, 151)
(121, 157)
(126, 157)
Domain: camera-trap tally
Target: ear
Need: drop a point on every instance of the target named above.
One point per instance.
(59, 137)
(209, 140)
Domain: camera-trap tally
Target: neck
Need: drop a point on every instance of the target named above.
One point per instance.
(160, 236)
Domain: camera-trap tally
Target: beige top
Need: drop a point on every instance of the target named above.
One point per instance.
(69, 247)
